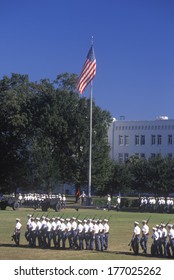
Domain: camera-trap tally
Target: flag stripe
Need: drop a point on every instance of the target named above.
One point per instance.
(87, 76)
(88, 71)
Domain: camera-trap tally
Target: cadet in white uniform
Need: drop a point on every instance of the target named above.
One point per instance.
(154, 246)
(145, 234)
(163, 238)
(170, 243)
(136, 238)
(17, 232)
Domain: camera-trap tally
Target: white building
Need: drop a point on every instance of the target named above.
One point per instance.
(141, 138)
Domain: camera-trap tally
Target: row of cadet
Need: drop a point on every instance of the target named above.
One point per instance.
(34, 200)
(162, 239)
(158, 204)
(70, 233)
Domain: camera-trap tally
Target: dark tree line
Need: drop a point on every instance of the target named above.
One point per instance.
(44, 139)
(152, 176)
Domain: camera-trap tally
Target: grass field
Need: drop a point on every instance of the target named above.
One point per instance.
(121, 227)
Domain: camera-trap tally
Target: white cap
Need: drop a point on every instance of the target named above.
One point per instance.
(170, 225)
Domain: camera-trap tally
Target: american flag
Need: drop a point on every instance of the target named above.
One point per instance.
(88, 71)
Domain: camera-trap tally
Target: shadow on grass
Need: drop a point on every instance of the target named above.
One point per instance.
(125, 253)
(26, 246)
(129, 253)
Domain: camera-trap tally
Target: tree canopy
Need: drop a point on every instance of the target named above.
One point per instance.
(44, 134)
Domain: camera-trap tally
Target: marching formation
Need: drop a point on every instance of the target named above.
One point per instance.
(162, 239)
(92, 234)
(34, 200)
(156, 204)
(72, 233)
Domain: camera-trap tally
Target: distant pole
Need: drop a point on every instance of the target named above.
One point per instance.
(90, 143)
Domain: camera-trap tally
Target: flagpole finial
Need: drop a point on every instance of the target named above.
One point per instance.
(92, 40)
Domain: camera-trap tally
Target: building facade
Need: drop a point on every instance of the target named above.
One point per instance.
(144, 139)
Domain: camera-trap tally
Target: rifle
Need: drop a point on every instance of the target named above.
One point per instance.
(47, 215)
(77, 216)
(13, 237)
(61, 216)
(130, 243)
(148, 219)
(167, 223)
(109, 217)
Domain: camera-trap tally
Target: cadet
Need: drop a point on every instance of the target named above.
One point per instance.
(33, 227)
(154, 246)
(54, 230)
(159, 242)
(170, 243)
(63, 233)
(79, 235)
(163, 238)
(109, 202)
(101, 235)
(73, 239)
(38, 231)
(48, 233)
(28, 227)
(68, 231)
(86, 233)
(106, 233)
(17, 232)
(136, 238)
(145, 234)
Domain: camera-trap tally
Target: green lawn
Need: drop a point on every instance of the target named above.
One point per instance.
(121, 227)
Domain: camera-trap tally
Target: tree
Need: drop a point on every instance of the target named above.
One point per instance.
(138, 167)
(120, 179)
(160, 175)
(14, 119)
(44, 134)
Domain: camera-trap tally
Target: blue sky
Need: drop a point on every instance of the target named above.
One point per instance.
(133, 42)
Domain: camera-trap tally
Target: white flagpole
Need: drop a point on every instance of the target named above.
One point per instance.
(90, 145)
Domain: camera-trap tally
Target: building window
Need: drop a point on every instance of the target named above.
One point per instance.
(169, 139)
(142, 155)
(120, 157)
(153, 139)
(126, 157)
(159, 139)
(126, 140)
(121, 140)
(137, 140)
(152, 155)
(142, 139)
